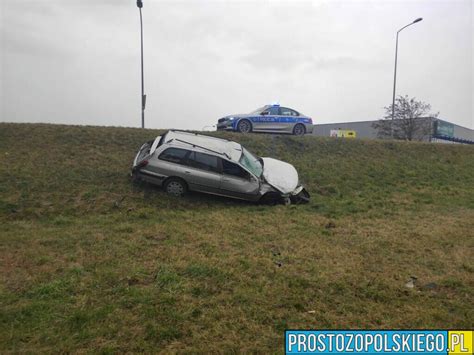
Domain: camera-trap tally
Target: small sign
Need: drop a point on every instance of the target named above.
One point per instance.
(342, 133)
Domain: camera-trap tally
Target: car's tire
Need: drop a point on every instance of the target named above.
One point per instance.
(299, 130)
(175, 186)
(244, 126)
(271, 199)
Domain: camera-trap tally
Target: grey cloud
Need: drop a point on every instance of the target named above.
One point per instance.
(78, 61)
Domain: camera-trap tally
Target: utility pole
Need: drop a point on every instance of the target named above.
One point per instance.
(140, 5)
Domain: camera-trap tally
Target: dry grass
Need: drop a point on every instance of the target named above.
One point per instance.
(91, 263)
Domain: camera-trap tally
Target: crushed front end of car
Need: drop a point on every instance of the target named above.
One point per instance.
(283, 178)
(300, 195)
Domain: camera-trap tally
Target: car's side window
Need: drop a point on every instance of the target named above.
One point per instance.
(284, 111)
(174, 155)
(203, 161)
(273, 110)
(229, 168)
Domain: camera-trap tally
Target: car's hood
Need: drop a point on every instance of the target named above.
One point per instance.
(239, 115)
(280, 175)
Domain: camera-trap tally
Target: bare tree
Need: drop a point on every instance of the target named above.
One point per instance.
(412, 120)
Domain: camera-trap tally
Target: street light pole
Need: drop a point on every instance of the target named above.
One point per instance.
(140, 5)
(395, 72)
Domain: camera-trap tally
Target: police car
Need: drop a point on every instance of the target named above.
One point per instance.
(269, 118)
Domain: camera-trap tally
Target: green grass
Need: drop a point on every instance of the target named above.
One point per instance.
(91, 263)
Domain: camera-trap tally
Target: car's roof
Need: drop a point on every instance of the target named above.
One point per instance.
(277, 105)
(220, 146)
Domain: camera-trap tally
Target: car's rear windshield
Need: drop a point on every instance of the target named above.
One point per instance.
(251, 162)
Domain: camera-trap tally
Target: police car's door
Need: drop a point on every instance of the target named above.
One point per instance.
(267, 120)
(237, 182)
(287, 119)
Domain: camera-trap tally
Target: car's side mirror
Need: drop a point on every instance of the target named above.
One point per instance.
(265, 113)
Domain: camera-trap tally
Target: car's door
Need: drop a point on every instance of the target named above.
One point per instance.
(287, 119)
(203, 172)
(169, 162)
(267, 120)
(238, 182)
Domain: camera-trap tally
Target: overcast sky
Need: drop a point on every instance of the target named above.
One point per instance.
(78, 61)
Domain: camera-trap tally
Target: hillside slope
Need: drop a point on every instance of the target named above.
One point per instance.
(91, 262)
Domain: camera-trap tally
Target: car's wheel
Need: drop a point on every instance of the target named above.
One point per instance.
(271, 199)
(175, 186)
(244, 126)
(299, 130)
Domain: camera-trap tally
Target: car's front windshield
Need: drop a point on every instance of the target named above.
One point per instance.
(258, 111)
(251, 162)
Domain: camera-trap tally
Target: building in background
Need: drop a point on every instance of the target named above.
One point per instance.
(441, 131)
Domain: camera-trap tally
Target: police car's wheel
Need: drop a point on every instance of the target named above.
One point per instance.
(299, 130)
(244, 126)
(175, 187)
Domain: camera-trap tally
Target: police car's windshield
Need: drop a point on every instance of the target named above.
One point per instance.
(251, 162)
(257, 111)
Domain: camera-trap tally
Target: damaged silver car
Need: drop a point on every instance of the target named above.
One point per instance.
(184, 161)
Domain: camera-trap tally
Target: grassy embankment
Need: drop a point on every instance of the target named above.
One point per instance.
(90, 262)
